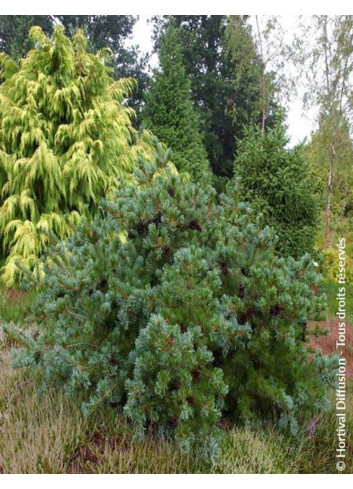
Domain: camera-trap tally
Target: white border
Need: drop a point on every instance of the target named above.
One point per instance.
(159, 7)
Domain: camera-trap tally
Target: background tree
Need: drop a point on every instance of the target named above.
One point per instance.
(65, 140)
(112, 31)
(248, 72)
(318, 152)
(277, 78)
(102, 31)
(278, 183)
(328, 64)
(14, 29)
(247, 48)
(225, 94)
(169, 112)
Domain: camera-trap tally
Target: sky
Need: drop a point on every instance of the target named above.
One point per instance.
(300, 124)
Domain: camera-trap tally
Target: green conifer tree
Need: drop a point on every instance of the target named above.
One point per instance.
(65, 140)
(169, 112)
(225, 75)
(277, 181)
(190, 318)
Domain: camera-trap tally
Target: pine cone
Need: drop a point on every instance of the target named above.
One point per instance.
(241, 291)
(196, 374)
(195, 226)
(276, 310)
(167, 252)
(102, 284)
(174, 386)
(141, 228)
(183, 328)
(157, 220)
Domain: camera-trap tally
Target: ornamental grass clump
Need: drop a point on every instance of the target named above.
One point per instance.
(174, 307)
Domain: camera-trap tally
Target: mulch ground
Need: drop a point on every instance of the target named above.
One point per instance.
(327, 343)
(15, 296)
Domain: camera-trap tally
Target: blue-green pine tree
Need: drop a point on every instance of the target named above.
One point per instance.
(174, 307)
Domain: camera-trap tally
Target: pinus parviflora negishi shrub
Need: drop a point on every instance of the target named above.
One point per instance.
(65, 140)
(174, 308)
(276, 180)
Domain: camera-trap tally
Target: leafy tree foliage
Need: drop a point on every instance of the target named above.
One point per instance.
(328, 69)
(278, 183)
(169, 113)
(318, 153)
(175, 307)
(102, 31)
(249, 73)
(14, 40)
(111, 31)
(225, 79)
(65, 140)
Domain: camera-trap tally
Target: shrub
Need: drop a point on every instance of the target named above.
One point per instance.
(277, 182)
(65, 141)
(175, 307)
(331, 265)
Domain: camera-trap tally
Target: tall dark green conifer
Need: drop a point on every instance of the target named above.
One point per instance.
(224, 72)
(277, 182)
(169, 112)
